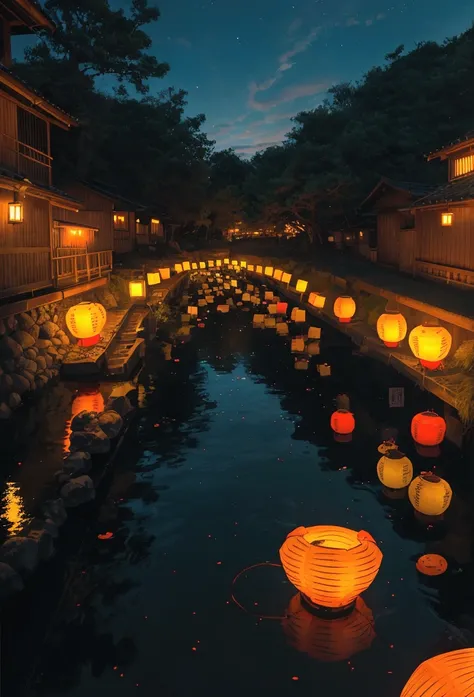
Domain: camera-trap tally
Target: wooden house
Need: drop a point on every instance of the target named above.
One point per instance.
(27, 194)
(149, 230)
(389, 202)
(444, 219)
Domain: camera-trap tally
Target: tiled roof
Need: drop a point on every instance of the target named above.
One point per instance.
(5, 172)
(458, 190)
(454, 144)
(111, 192)
(415, 189)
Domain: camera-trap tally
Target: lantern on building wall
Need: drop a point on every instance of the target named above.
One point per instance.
(330, 565)
(301, 286)
(277, 274)
(395, 470)
(165, 274)
(391, 328)
(15, 210)
(445, 675)
(317, 300)
(430, 344)
(329, 640)
(268, 270)
(446, 219)
(137, 288)
(429, 494)
(344, 308)
(343, 424)
(153, 278)
(286, 278)
(85, 321)
(428, 428)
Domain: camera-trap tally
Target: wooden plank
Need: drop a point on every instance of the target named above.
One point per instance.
(23, 250)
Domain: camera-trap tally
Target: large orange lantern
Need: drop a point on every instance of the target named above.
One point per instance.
(329, 640)
(268, 271)
(391, 328)
(317, 300)
(446, 675)
(344, 308)
(428, 428)
(429, 494)
(430, 344)
(395, 470)
(330, 565)
(85, 321)
(342, 422)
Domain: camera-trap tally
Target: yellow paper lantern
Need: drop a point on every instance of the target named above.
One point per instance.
(286, 277)
(250, 267)
(430, 344)
(243, 264)
(446, 219)
(282, 328)
(344, 308)
(298, 315)
(317, 300)
(192, 310)
(268, 270)
(226, 261)
(194, 265)
(259, 269)
(223, 308)
(137, 289)
(446, 675)
(165, 274)
(178, 268)
(270, 322)
(430, 494)
(297, 345)
(85, 321)
(272, 309)
(233, 283)
(202, 264)
(277, 274)
(391, 328)
(268, 295)
(330, 565)
(314, 333)
(258, 319)
(218, 262)
(395, 470)
(301, 286)
(153, 278)
(186, 266)
(246, 297)
(210, 263)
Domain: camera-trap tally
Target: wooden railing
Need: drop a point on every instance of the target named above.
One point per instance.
(25, 160)
(446, 274)
(79, 266)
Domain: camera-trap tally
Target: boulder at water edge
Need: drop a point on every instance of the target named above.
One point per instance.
(94, 441)
(54, 510)
(110, 422)
(10, 581)
(21, 553)
(78, 491)
(84, 420)
(44, 541)
(77, 463)
(120, 404)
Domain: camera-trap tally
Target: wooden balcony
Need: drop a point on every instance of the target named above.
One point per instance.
(72, 266)
(25, 160)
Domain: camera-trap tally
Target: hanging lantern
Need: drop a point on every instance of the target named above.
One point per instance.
(430, 344)
(329, 640)
(282, 308)
(137, 289)
(250, 267)
(431, 565)
(301, 285)
(445, 675)
(298, 315)
(277, 274)
(317, 300)
(342, 422)
(15, 210)
(259, 269)
(286, 278)
(395, 470)
(268, 270)
(446, 219)
(428, 428)
(391, 328)
(330, 565)
(165, 274)
(85, 321)
(344, 308)
(429, 494)
(178, 268)
(153, 278)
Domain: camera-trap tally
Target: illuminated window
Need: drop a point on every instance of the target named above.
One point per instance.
(463, 165)
(120, 221)
(156, 227)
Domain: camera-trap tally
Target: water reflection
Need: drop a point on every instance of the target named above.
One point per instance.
(13, 508)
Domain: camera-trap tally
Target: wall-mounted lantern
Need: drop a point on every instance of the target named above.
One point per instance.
(446, 219)
(15, 210)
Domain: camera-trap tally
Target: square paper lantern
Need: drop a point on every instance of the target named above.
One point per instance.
(301, 365)
(153, 278)
(226, 286)
(249, 286)
(313, 348)
(246, 297)
(165, 274)
(202, 264)
(446, 219)
(234, 262)
(226, 261)
(282, 308)
(243, 264)
(192, 310)
(272, 309)
(186, 266)
(277, 274)
(202, 302)
(286, 277)
(282, 328)
(268, 270)
(301, 286)
(205, 286)
(210, 263)
(218, 262)
(298, 315)
(268, 295)
(194, 266)
(259, 269)
(223, 308)
(314, 333)
(255, 300)
(238, 291)
(297, 345)
(250, 267)
(270, 322)
(137, 289)
(233, 283)
(209, 299)
(258, 319)
(324, 370)
(317, 300)
(185, 318)
(178, 268)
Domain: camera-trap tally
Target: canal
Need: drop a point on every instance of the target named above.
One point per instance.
(175, 588)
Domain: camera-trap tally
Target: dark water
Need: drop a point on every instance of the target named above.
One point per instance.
(232, 451)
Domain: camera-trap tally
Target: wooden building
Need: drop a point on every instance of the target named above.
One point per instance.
(149, 230)
(444, 219)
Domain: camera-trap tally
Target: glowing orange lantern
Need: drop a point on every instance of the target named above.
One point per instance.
(446, 675)
(92, 401)
(165, 274)
(186, 266)
(210, 263)
(298, 315)
(429, 494)
(431, 565)
(344, 308)
(250, 267)
(178, 268)
(153, 278)
(226, 261)
(268, 270)
(301, 286)
(317, 300)
(282, 308)
(243, 264)
(342, 422)
(329, 640)
(202, 264)
(430, 344)
(286, 278)
(428, 428)
(446, 219)
(259, 269)
(85, 321)
(277, 274)
(137, 289)
(194, 265)
(218, 262)
(395, 470)
(330, 565)
(391, 328)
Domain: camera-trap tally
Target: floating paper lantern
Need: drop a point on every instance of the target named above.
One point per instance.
(329, 640)
(259, 269)
(210, 263)
(165, 274)
(202, 264)
(226, 261)
(246, 297)
(282, 328)
(243, 264)
(272, 309)
(314, 333)
(428, 428)
(301, 364)
(202, 302)
(298, 315)
(430, 344)
(313, 348)
(178, 268)
(343, 424)
(429, 494)
(277, 274)
(233, 283)
(258, 319)
(297, 345)
(317, 300)
(268, 271)
(137, 289)
(185, 318)
(186, 266)
(282, 308)
(395, 470)
(270, 322)
(223, 308)
(286, 278)
(330, 565)
(391, 328)
(431, 565)
(85, 321)
(301, 286)
(446, 675)
(209, 299)
(344, 308)
(268, 295)
(218, 262)
(250, 267)
(153, 278)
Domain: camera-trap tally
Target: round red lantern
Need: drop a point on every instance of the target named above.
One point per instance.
(343, 424)
(344, 308)
(392, 328)
(428, 428)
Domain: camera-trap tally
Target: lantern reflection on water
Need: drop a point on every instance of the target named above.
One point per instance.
(329, 640)
(88, 401)
(343, 424)
(330, 565)
(446, 675)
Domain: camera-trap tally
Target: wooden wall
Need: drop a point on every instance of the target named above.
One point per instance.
(388, 237)
(8, 133)
(25, 255)
(449, 246)
(97, 212)
(125, 240)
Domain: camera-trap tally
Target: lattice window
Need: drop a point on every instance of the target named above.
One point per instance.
(463, 165)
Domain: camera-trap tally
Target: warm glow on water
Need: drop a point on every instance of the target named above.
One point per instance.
(14, 511)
